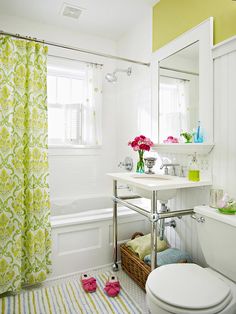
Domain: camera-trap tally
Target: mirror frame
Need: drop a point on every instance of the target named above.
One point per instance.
(203, 34)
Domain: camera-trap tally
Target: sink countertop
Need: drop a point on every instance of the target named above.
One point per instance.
(165, 182)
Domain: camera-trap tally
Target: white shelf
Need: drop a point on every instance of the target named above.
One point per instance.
(201, 148)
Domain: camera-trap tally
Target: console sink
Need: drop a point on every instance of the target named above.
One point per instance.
(166, 186)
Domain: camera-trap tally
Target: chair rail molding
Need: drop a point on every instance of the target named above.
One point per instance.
(224, 48)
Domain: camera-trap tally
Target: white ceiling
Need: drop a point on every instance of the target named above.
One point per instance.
(106, 18)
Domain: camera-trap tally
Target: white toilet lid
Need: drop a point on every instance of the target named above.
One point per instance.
(187, 286)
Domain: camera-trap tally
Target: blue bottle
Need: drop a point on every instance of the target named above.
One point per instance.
(198, 136)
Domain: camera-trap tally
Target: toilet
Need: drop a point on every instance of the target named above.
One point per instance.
(190, 288)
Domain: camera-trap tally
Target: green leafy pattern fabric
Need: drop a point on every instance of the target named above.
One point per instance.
(25, 239)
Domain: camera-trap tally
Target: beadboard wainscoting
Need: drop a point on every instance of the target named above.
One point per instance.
(184, 236)
(224, 162)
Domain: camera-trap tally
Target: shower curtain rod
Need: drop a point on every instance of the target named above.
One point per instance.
(180, 71)
(73, 59)
(50, 43)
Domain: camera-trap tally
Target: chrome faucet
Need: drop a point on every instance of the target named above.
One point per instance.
(166, 170)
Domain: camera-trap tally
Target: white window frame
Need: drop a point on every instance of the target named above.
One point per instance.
(76, 148)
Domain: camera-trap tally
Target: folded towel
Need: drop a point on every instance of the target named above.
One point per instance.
(170, 256)
(142, 245)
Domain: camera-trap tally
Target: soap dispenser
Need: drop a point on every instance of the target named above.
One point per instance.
(193, 169)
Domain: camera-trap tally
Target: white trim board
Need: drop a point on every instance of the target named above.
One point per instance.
(225, 47)
(154, 2)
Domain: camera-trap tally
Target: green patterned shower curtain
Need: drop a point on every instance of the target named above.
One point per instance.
(25, 239)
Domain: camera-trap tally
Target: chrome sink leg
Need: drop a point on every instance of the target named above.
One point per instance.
(154, 231)
(115, 266)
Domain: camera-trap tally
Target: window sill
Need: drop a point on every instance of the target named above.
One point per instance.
(74, 150)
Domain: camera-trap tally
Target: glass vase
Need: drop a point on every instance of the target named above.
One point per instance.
(140, 163)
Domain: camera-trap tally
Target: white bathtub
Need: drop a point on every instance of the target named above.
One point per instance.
(82, 232)
(85, 203)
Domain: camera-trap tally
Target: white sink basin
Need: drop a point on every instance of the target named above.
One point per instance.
(162, 196)
(166, 186)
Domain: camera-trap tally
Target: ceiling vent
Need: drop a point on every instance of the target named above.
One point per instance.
(70, 10)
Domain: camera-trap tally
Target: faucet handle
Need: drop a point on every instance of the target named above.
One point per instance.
(183, 171)
(127, 164)
(166, 170)
(166, 165)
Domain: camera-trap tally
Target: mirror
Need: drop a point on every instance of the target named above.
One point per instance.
(182, 86)
(179, 92)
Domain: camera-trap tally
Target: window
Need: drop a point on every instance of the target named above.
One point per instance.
(71, 104)
(174, 113)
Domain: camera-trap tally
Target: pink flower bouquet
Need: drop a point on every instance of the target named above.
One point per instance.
(141, 143)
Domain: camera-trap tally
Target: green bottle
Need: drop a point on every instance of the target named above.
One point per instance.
(193, 170)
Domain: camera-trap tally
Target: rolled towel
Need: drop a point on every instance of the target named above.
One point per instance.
(169, 256)
(142, 245)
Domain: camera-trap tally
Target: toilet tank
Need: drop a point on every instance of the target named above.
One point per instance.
(217, 237)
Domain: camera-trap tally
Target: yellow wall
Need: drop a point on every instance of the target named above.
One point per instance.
(171, 18)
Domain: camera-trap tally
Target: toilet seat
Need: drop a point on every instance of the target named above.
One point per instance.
(187, 288)
(178, 310)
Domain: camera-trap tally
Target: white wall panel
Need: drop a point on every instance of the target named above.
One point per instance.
(224, 155)
(82, 246)
(74, 241)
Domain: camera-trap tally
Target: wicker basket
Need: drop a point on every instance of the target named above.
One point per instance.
(134, 266)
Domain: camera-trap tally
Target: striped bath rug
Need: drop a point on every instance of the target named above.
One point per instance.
(69, 298)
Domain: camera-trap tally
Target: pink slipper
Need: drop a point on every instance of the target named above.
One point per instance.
(89, 283)
(112, 287)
